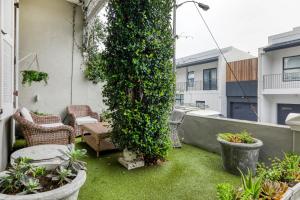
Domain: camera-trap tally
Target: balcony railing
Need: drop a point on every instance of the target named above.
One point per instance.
(186, 86)
(282, 81)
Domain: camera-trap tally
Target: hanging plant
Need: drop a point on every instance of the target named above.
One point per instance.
(30, 76)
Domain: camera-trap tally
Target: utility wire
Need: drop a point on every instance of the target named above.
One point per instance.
(227, 63)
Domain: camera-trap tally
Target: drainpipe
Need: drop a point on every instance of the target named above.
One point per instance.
(73, 50)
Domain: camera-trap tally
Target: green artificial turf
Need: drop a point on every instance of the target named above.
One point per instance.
(190, 173)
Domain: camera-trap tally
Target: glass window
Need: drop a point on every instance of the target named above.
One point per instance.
(210, 79)
(179, 99)
(291, 68)
(190, 79)
(200, 104)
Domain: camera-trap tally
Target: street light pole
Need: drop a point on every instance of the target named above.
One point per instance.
(175, 6)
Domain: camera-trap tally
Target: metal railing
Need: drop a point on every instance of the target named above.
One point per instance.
(186, 86)
(281, 81)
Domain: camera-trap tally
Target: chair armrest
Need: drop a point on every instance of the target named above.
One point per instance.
(40, 130)
(72, 118)
(174, 122)
(47, 119)
(95, 115)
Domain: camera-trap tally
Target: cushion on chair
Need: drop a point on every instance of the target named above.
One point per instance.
(51, 125)
(85, 120)
(26, 114)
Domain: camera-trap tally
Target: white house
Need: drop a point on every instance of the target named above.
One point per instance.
(51, 29)
(201, 78)
(279, 77)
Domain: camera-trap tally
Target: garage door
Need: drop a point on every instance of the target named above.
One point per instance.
(244, 111)
(284, 109)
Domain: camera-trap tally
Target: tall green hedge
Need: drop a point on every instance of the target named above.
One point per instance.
(140, 84)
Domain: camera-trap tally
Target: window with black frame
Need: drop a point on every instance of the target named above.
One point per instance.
(291, 68)
(210, 79)
(179, 99)
(190, 79)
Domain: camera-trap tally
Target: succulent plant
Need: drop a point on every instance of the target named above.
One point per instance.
(62, 176)
(31, 186)
(273, 190)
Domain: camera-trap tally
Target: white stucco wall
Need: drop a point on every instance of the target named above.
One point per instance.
(268, 99)
(214, 99)
(269, 105)
(46, 29)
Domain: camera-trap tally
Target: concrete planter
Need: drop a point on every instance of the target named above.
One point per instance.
(240, 156)
(292, 193)
(67, 192)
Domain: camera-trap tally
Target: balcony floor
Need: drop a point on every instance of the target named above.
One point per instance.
(190, 173)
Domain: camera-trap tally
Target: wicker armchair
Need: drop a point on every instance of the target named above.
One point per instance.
(76, 111)
(36, 134)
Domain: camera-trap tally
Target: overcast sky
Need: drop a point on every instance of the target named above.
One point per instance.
(245, 24)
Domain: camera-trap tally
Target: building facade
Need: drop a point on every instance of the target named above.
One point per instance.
(241, 89)
(279, 77)
(201, 78)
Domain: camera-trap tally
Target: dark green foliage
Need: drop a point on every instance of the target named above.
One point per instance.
(139, 86)
(285, 170)
(30, 76)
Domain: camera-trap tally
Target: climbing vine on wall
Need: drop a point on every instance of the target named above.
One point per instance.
(139, 87)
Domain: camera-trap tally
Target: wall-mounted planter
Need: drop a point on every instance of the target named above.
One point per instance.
(240, 156)
(292, 193)
(67, 192)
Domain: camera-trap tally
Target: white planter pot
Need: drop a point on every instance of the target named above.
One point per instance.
(67, 192)
(292, 193)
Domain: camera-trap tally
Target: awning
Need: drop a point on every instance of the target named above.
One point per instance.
(198, 62)
(283, 45)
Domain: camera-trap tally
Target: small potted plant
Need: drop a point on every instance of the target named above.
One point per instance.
(25, 181)
(279, 181)
(240, 151)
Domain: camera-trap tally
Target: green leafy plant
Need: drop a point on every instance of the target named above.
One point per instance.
(242, 137)
(62, 176)
(25, 178)
(283, 170)
(40, 113)
(74, 161)
(251, 186)
(139, 79)
(31, 186)
(93, 58)
(30, 76)
(226, 191)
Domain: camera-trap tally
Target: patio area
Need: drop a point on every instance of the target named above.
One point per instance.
(190, 173)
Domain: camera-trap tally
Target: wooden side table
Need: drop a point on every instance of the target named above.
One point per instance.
(97, 136)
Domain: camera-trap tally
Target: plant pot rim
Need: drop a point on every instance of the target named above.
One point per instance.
(291, 191)
(258, 143)
(58, 193)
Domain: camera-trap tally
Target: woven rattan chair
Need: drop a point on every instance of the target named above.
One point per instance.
(36, 134)
(76, 111)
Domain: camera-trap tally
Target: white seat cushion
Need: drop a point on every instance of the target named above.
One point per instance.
(85, 120)
(26, 114)
(51, 125)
